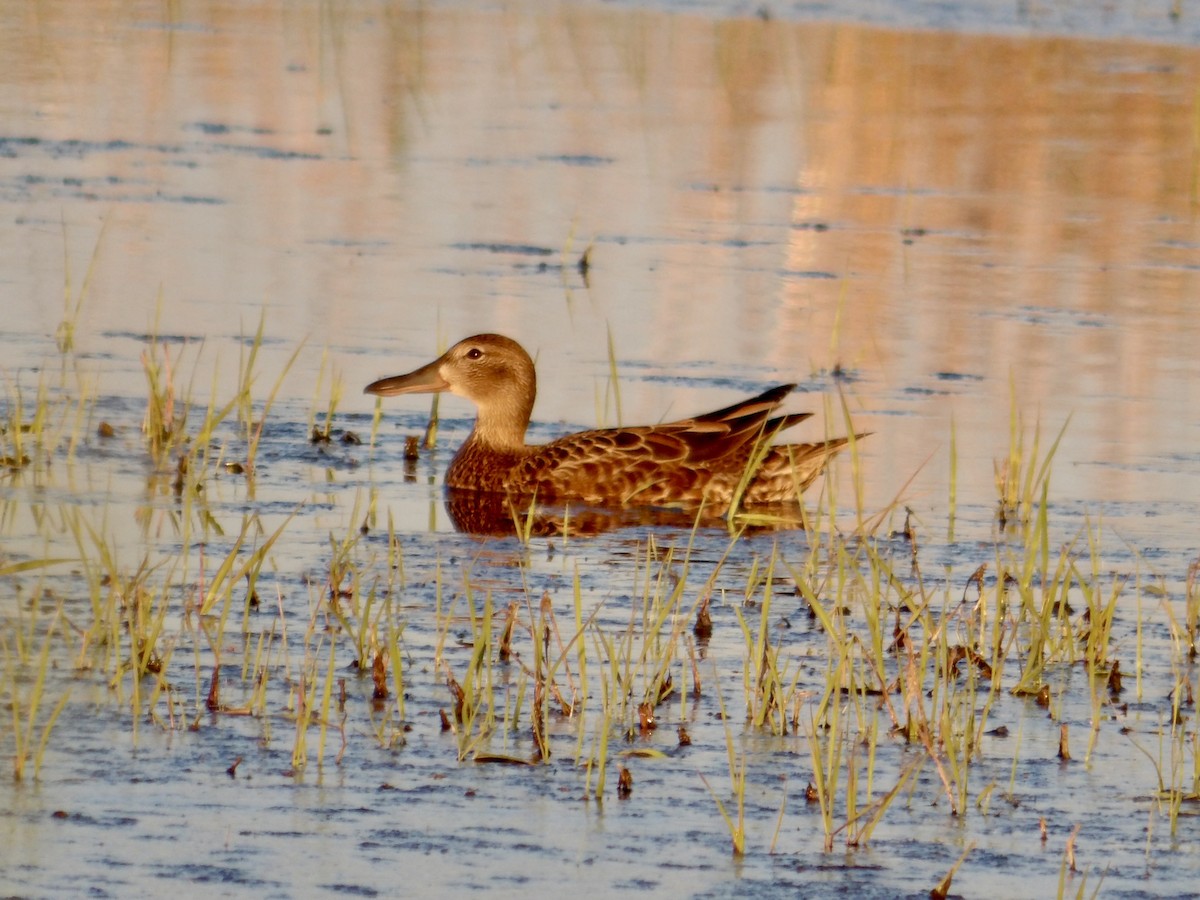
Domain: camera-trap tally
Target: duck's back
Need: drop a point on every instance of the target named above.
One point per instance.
(688, 462)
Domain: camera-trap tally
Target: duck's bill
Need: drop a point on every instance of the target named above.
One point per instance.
(425, 380)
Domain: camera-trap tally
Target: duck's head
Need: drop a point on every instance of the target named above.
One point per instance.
(492, 371)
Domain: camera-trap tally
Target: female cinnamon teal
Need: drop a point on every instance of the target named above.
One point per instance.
(699, 460)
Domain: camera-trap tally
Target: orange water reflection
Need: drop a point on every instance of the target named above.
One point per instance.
(786, 197)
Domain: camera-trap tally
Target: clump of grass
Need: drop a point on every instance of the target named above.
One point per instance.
(165, 421)
(1020, 479)
(254, 428)
(234, 571)
(25, 683)
(1192, 607)
(735, 821)
(13, 431)
(323, 433)
(474, 708)
(767, 691)
(64, 334)
(942, 889)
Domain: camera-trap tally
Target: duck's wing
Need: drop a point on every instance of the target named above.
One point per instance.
(726, 431)
(699, 439)
(615, 464)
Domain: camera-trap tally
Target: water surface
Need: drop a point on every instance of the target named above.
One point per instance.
(938, 230)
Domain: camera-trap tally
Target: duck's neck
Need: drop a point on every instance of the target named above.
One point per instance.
(501, 425)
(503, 417)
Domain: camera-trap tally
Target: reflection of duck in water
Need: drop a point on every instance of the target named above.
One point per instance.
(718, 460)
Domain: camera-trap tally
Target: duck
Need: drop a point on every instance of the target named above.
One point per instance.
(722, 460)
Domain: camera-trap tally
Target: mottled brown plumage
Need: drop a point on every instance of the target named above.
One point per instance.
(699, 460)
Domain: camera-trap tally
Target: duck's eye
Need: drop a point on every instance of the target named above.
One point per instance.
(474, 353)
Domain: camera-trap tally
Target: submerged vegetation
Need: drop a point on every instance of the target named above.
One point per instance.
(871, 669)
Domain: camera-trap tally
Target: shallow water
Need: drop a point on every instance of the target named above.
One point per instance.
(932, 228)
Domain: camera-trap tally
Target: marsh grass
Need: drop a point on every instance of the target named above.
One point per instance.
(165, 422)
(254, 428)
(1192, 607)
(322, 433)
(26, 684)
(235, 570)
(473, 693)
(64, 334)
(735, 821)
(881, 671)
